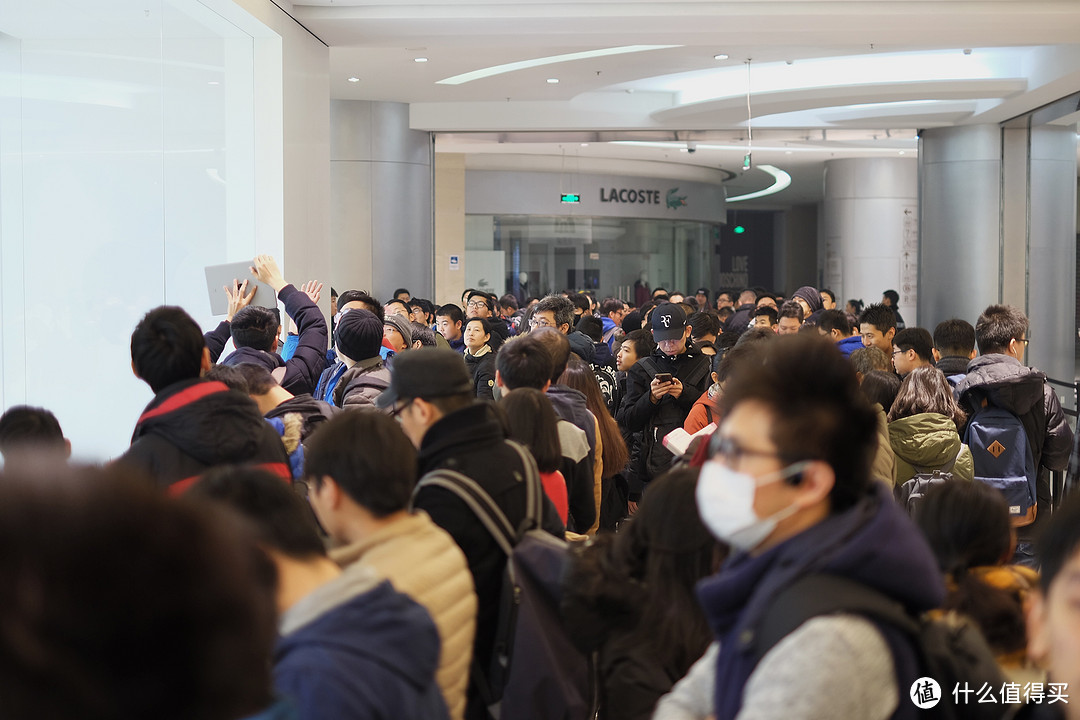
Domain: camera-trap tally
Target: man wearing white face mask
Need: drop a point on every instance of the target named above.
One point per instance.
(788, 487)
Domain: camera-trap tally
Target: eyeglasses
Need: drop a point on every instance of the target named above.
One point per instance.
(729, 451)
(539, 322)
(1023, 340)
(898, 352)
(476, 304)
(398, 409)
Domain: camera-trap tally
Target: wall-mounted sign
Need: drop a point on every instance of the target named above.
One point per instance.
(455, 262)
(501, 192)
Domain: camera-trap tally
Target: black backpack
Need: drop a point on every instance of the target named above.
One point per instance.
(950, 649)
(910, 493)
(536, 672)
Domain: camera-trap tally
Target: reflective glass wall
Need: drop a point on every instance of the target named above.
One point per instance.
(530, 255)
(126, 166)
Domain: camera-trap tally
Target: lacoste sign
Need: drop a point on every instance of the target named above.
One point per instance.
(638, 196)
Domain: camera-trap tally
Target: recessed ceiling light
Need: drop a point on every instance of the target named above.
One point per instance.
(584, 144)
(213, 82)
(683, 150)
(901, 152)
(420, 59)
(788, 152)
(721, 56)
(354, 79)
(553, 81)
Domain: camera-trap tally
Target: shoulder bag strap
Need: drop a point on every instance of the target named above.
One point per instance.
(477, 499)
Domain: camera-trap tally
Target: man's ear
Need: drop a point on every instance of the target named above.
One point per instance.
(499, 380)
(686, 332)
(972, 354)
(937, 355)
(890, 335)
(818, 479)
(134, 371)
(205, 364)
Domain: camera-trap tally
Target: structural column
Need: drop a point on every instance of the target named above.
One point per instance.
(870, 225)
(381, 200)
(999, 226)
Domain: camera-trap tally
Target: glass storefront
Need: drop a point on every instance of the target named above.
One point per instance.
(532, 255)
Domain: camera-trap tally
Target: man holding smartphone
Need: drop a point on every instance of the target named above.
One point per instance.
(662, 388)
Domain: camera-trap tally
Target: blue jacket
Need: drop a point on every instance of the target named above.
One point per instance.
(873, 543)
(373, 657)
(849, 345)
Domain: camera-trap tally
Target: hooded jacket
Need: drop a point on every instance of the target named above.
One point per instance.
(873, 543)
(928, 441)
(482, 370)
(356, 648)
(1003, 381)
(312, 412)
(849, 345)
(194, 425)
(361, 384)
(307, 362)
(582, 345)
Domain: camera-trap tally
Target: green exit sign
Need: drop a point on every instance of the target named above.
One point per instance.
(570, 198)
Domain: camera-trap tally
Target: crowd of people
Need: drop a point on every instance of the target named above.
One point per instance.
(751, 500)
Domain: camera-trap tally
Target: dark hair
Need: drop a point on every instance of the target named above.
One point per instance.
(591, 326)
(755, 335)
(523, 361)
(484, 324)
(120, 602)
(232, 378)
(360, 296)
(531, 421)
(894, 297)
(926, 390)
(967, 527)
(834, 320)
(368, 455)
(867, 359)
(402, 290)
(769, 312)
(486, 297)
(830, 293)
(561, 308)
(818, 411)
(508, 301)
(880, 316)
(29, 428)
(580, 376)
(610, 305)
(281, 519)
(740, 353)
(954, 337)
(643, 342)
(395, 301)
(255, 327)
(703, 323)
(1060, 540)
(557, 347)
(631, 321)
(258, 378)
(917, 339)
(451, 311)
(581, 302)
(642, 579)
(724, 313)
(791, 309)
(997, 326)
(424, 334)
(167, 347)
(857, 305)
(880, 386)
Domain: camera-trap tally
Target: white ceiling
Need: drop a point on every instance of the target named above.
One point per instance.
(866, 72)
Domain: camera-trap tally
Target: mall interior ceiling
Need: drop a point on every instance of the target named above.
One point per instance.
(593, 84)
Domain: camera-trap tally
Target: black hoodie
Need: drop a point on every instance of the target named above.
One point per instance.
(194, 425)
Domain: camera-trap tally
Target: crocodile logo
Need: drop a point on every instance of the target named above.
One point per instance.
(675, 201)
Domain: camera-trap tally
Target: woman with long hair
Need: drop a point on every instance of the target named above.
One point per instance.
(531, 421)
(611, 452)
(967, 526)
(924, 423)
(630, 597)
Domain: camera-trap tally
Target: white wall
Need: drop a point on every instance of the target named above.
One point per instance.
(140, 140)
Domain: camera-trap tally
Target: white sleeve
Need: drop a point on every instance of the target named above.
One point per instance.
(692, 697)
(836, 666)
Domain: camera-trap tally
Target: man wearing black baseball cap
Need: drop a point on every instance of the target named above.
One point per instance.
(662, 388)
(432, 395)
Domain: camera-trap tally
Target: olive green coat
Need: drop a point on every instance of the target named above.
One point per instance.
(928, 441)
